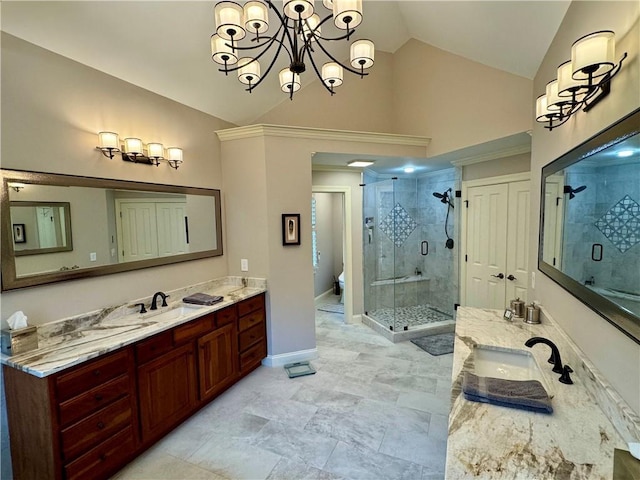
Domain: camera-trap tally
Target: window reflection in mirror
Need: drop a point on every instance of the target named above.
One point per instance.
(99, 226)
(590, 225)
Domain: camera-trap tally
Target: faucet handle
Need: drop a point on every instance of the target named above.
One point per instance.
(565, 378)
(164, 300)
(142, 309)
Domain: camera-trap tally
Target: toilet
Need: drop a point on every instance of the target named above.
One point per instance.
(341, 283)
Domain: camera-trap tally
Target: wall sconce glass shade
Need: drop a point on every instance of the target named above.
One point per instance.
(310, 28)
(554, 102)
(155, 151)
(289, 81)
(221, 52)
(256, 17)
(332, 74)
(249, 71)
(228, 16)
(108, 142)
(362, 54)
(567, 85)
(133, 146)
(298, 9)
(347, 14)
(174, 157)
(542, 112)
(592, 56)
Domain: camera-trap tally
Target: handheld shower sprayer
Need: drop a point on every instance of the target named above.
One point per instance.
(444, 197)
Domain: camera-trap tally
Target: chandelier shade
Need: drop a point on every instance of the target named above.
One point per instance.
(296, 29)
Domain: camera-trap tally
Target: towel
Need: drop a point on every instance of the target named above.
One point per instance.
(202, 299)
(523, 394)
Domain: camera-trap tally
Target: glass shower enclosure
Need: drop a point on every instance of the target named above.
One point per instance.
(410, 273)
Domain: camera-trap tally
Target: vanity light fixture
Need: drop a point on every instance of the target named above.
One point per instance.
(582, 81)
(359, 163)
(133, 150)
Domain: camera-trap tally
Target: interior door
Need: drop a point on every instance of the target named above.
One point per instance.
(137, 235)
(517, 266)
(486, 246)
(171, 221)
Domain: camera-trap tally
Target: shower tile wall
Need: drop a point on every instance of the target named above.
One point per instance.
(606, 186)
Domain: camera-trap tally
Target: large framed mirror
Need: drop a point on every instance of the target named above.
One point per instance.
(62, 227)
(590, 223)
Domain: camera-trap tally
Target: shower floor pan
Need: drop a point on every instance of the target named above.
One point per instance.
(420, 320)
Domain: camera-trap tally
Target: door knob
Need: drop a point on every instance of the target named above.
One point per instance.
(511, 277)
(500, 276)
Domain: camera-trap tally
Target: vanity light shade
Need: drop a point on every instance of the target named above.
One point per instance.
(108, 141)
(347, 14)
(249, 71)
(542, 112)
(289, 81)
(592, 56)
(221, 52)
(155, 150)
(305, 7)
(133, 146)
(554, 102)
(228, 16)
(332, 74)
(362, 54)
(174, 154)
(256, 17)
(567, 86)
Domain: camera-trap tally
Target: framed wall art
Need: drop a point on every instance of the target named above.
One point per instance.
(290, 229)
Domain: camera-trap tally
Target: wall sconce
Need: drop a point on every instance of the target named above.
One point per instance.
(582, 81)
(16, 186)
(133, 150)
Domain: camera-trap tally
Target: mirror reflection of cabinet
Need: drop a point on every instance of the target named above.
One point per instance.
(590, 223)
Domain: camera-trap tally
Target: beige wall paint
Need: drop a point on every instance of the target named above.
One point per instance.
(419, 90)
(614, 354)
(52, 109)
(500, 166)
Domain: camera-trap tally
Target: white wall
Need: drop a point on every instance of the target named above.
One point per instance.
(328, 241)
(613, 353)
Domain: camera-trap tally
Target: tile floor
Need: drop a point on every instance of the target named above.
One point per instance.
(373, 410)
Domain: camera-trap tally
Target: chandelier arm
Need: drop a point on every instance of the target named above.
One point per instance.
(320, 37)
(313, 63)
(269, 41)
(273, 61)
(274, 39)
(361, 73)
(284, 22)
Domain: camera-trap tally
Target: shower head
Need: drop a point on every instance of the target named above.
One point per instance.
(572, 191)
(444, 197)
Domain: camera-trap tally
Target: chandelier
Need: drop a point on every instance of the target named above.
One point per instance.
(298, 34)
(582, 81)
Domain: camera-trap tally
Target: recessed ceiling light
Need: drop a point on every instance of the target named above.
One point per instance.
(625, 153)
(359, 163)
(409, 170)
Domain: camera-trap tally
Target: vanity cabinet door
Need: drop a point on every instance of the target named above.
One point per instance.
(252, 335)
(167, 391)
(217, 359)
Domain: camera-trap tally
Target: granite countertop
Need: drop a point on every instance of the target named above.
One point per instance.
(71, 341)
(576, 441)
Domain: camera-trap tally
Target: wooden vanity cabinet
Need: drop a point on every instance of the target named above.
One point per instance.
(217, 355)
(252, 333)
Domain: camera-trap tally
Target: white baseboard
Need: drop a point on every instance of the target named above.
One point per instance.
(291, 357)
(324, 295)
(355, 319)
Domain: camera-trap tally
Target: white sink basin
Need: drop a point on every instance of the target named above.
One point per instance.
(509, 364)
(165, 314)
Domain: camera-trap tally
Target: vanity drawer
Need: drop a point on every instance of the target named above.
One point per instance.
(193, 329)
(251, 319)
(252, 356)
(250, 336)
(251, 304)
(154, 347)
(103, 459)
(95, 373)
(88, 402)
(83, 435)
(226, 316)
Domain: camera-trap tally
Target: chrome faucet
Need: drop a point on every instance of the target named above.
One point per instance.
(555, 353)
(154, 301)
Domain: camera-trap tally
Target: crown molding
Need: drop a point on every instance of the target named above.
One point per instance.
(321, 134)
(486, 157)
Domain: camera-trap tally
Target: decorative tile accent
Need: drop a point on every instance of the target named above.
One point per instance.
(621, 224)
(398, 225)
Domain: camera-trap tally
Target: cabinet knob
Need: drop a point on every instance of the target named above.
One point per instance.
(100, 425)
(103, 457)
(96, 373)
(98, 397)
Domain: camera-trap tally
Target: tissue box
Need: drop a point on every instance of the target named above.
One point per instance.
(19, 341)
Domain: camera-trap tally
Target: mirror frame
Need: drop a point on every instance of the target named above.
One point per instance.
(10, 281)
(67, 228)
(621, 318)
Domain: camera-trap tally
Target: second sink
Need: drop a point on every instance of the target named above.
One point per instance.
(170, 313)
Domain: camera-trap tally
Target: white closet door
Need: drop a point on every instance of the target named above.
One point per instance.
(138, 236)
(486, 246)
(517, 270)
(172, 233)
(553, 220)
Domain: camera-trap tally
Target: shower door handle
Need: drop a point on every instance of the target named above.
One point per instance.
(500, 276)
(424, 248)
(511, 277)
